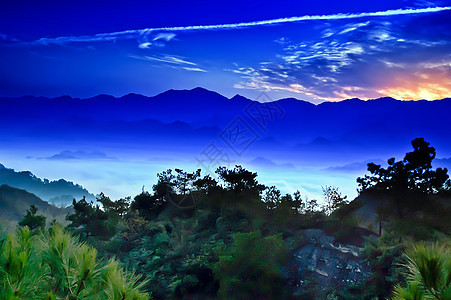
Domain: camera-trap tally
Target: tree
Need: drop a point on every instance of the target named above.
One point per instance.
(333, 199)
(282, 207)
(428, 273)
(184, 181)
(383, 255)
(178, 188)
(251, 268)
(241, 182)
(407, 181)
(207, 184)
(90, 220)
(56, 265)
(165, 184)
(114, 209)
(311, 206)
(149, 206)
(298, 203)
(272, 197)
(32, 220)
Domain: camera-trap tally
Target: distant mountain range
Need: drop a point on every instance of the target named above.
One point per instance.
(57, 192)
(104, 138)
(178, 119)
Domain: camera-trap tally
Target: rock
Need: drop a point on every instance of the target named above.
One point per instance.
(327, 262)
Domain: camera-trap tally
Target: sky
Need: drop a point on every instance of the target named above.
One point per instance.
(311, 50)
(315, 50)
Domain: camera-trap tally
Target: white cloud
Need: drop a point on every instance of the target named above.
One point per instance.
(194, 69)
(145, 45)
(354, 27)
(164, 36)
(368, 63)
(131, 34)
(165, 59)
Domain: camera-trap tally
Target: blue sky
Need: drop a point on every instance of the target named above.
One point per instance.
(325, 50)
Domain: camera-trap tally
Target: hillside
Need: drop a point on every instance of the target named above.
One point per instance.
(15, 202)
(58, 192)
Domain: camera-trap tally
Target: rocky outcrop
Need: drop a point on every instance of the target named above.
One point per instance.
(326, 263)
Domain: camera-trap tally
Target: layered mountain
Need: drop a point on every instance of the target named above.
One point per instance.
(117, 145)
(183, 117)
(57, 191)
(15, 202)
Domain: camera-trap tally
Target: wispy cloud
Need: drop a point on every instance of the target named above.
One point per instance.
(372, 60)
(175, 62)
(165, 59)
(194, 69)
(70, 155)
(145, 45)
(164, 36)
(7, 37)
(137, 34)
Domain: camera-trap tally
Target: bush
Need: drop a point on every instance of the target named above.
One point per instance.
(251, 267)
(428, 273)
(55, 265)
(384, 257)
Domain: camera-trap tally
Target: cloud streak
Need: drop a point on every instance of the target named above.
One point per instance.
(405, 60)
(165, 59)
(130, 34)
(172, 61)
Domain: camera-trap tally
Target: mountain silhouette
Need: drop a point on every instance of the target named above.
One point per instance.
(58, 191)
(341, 132)
(15, 202)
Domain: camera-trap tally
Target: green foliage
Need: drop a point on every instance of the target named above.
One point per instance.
(172, 259)
(18, 267)
(90, 220)
(412, 292)
(251, 267)
(384, 256)
(428, 273)
(149, 206)
(55, 265)
(14, 203)
(32, 220)
(119, 284)
(242, 183)
(114, 209)
(215, 249)
(344, 230)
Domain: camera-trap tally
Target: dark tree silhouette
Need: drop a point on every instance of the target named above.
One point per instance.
(32, 220)
(90, 220)
(114, 209)
(333, 199)
(240, 180)
(165, 184)
(206, 184)
(149, 206)
(408, 181)
(184, 181)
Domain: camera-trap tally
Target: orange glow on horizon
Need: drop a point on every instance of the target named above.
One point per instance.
(426, 91)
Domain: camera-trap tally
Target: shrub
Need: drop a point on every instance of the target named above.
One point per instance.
(251, 267)
(428, 273)
(56, 265)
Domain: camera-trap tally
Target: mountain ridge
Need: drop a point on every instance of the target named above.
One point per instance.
(58, 191)
(14, 203)
(200, 90)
